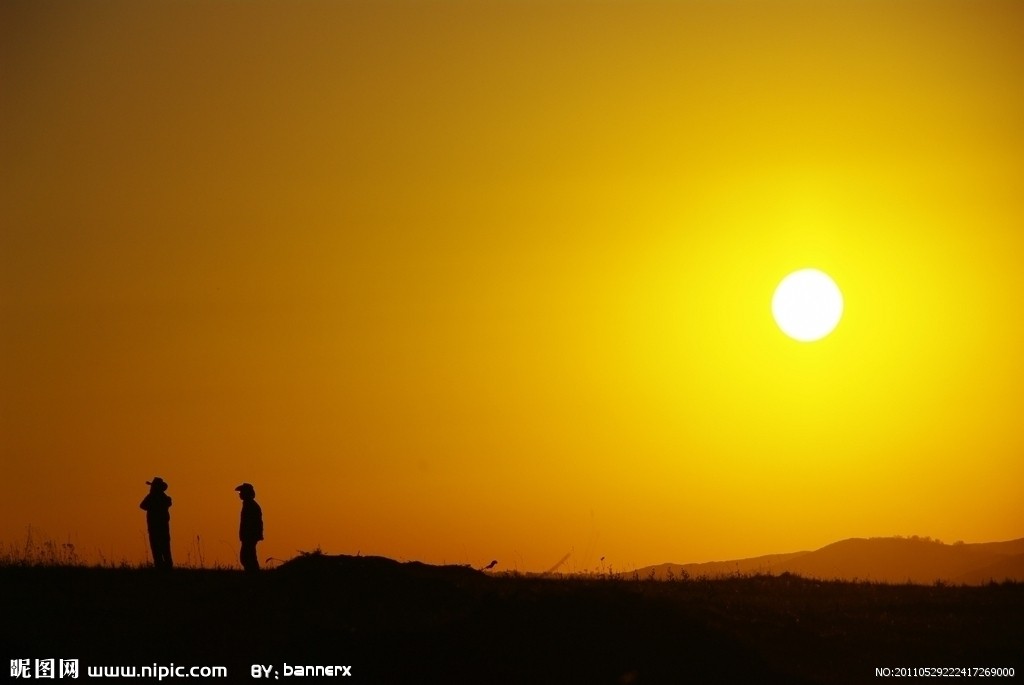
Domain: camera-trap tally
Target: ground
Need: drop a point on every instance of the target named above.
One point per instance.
(413, 623)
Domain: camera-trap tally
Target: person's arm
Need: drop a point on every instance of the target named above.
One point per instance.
(258, 521)
(145, 503)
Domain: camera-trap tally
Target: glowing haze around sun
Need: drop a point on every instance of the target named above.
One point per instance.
(807, 305)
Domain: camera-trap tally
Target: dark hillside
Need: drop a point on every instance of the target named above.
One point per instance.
(715, 569)
(893, 560)
(887, 560)
(1007, 567)
(414, 623)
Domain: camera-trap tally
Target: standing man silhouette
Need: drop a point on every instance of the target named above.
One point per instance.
(158, 521)
(250, 529)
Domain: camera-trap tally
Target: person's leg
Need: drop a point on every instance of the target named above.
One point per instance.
(166, 552)
(160, 543)
(248, 557)
(154, 548)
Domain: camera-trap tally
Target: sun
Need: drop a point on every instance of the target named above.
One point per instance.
(807, 305)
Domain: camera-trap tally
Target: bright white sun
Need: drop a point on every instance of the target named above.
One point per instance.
(807, 305)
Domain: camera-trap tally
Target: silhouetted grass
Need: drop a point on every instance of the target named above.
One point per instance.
(418, 623)
(38, 550)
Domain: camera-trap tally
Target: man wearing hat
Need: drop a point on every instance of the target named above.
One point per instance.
(250, 530)
(158, 521)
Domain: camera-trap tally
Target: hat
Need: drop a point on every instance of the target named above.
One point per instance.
(245, 487)
(157, 482)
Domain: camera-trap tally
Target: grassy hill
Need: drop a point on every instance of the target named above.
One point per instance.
(414, 623)
(888, 560)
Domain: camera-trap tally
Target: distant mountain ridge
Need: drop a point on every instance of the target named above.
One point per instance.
(886, 560)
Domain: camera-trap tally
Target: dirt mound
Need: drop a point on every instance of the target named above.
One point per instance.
(375, 568)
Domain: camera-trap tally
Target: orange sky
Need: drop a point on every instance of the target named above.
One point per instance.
(460, 281)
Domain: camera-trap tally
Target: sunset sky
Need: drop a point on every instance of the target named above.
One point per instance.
(462, 281)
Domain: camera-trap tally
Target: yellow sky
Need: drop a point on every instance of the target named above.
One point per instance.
(455, 281)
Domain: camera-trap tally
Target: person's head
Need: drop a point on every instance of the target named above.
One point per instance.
(246, 491)
(157, 484)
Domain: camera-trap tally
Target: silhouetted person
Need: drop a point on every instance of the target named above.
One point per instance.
(158, 521)
(250, 529)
